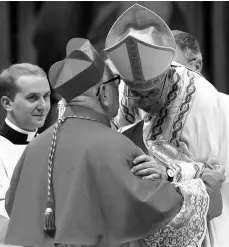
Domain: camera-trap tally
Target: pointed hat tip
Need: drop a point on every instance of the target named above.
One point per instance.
(75, 44)
(138, 6)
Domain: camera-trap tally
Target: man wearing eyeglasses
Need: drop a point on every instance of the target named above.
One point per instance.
(176, 104)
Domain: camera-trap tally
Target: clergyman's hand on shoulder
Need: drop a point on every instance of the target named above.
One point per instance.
(146, 167)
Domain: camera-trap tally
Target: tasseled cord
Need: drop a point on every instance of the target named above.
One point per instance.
(49, 215)
(50, 227)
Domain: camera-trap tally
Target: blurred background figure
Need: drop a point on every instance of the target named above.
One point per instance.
(188, 51)
(38, 31)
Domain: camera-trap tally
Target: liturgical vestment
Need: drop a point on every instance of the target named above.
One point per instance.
(196, 115)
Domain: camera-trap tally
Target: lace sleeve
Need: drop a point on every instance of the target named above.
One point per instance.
(189, 226)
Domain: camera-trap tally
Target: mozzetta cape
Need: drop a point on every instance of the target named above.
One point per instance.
(198, 117)
(98, 200)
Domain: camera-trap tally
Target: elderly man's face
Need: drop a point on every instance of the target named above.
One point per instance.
(153, 100)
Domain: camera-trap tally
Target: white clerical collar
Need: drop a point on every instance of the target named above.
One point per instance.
(30, 135)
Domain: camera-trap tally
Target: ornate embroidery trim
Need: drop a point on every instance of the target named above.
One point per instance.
(188, 227)
(134, 57)
(114, 125)
(129, 117)
(129, 112)
(183, 110)
(160, 119)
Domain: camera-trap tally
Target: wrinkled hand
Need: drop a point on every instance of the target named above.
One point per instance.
(147, 167)
(218, 173)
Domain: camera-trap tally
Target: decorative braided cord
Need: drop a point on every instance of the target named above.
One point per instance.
(157, 128)
(129, 117)
(133, 53)
(184, 108)
(50, 206)
(114, 124)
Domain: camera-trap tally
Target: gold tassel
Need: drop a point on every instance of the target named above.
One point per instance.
(50, 227)
(61, 108)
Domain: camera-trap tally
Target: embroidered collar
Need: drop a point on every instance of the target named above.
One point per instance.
(15, 134)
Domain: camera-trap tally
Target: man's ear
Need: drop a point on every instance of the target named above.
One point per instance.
(198, 65)
(6, 103)
(104, 95)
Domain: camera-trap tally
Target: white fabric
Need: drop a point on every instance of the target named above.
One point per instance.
(9, 156)
(205, 133)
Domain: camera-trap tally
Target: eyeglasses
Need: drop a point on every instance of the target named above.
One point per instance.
(153, 94)
(116, 80)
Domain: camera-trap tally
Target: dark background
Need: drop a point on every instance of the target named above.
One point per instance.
(37, 32)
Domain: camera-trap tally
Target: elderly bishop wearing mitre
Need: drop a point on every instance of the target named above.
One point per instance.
(178, 104)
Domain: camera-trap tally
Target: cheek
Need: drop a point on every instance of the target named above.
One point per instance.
(115, 95)
(118, 92)
(48, 105)
(21, 106)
